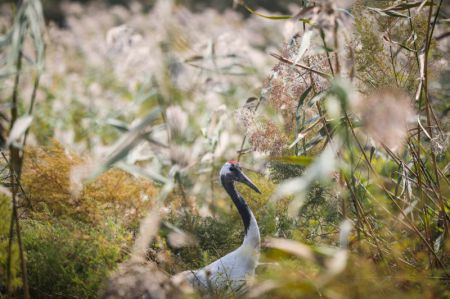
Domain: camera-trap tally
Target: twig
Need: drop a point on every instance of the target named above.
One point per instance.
(285, 60)
(430, 30)
(322, 36)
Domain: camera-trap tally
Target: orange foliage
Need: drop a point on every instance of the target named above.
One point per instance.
(115, 194)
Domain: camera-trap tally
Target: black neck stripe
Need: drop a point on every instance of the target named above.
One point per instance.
(238, 201)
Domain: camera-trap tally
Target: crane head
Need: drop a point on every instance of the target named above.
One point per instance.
(231, 171)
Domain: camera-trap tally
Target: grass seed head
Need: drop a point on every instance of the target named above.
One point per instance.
(386, 113)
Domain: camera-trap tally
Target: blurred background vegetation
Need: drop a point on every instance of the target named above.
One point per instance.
(113, 112)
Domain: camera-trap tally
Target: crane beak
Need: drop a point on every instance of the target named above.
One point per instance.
(245, 180)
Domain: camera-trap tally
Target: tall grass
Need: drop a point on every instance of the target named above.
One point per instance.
(27, 26)
(342, 120)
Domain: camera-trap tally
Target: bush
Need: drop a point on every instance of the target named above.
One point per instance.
(70, 259)
(51, 179)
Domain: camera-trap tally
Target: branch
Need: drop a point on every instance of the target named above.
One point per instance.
(285, 60)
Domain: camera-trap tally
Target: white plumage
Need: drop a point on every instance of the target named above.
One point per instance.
(232, 270)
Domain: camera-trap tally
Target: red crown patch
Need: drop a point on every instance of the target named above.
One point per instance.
(233, 162)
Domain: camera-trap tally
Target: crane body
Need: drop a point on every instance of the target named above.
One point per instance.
(232, 270)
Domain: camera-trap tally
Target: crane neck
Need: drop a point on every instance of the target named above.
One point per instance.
(251, 230)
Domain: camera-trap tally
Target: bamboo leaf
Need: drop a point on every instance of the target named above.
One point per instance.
(385, 13)
(386, 38)
(292, 247)
(317, 98)
(300, 136)
(299, 120)
(304, 45)
(127, 142)
(19, 128)
(407, 5)
(282, 17)
(140, 172)
(298, 160)
(316, 140)
(119, 125)
(302, 98)
(301, 102)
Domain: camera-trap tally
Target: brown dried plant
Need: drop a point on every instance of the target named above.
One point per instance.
(116, 194)
(281, 93)
(386, 114)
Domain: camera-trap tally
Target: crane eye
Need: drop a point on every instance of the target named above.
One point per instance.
(232, 168)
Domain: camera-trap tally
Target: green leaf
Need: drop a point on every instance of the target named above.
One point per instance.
(317, 98)
(407, 5)
(306, 21)
(119, 125)
(385, 13)
(304, 45)
(284, 17)
(299, 120)
(297, 160)
(317, 139)
(301, 101)
(19, 128)
(127, 142)
(140, 172)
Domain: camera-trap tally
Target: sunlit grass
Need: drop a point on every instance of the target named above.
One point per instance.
(112, 143)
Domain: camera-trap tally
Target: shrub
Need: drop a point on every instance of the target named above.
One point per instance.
(48, 178)
(70, 259)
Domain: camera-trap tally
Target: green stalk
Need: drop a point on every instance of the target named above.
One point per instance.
(430, 29)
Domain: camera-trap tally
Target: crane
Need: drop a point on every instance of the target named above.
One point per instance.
(232, 270)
